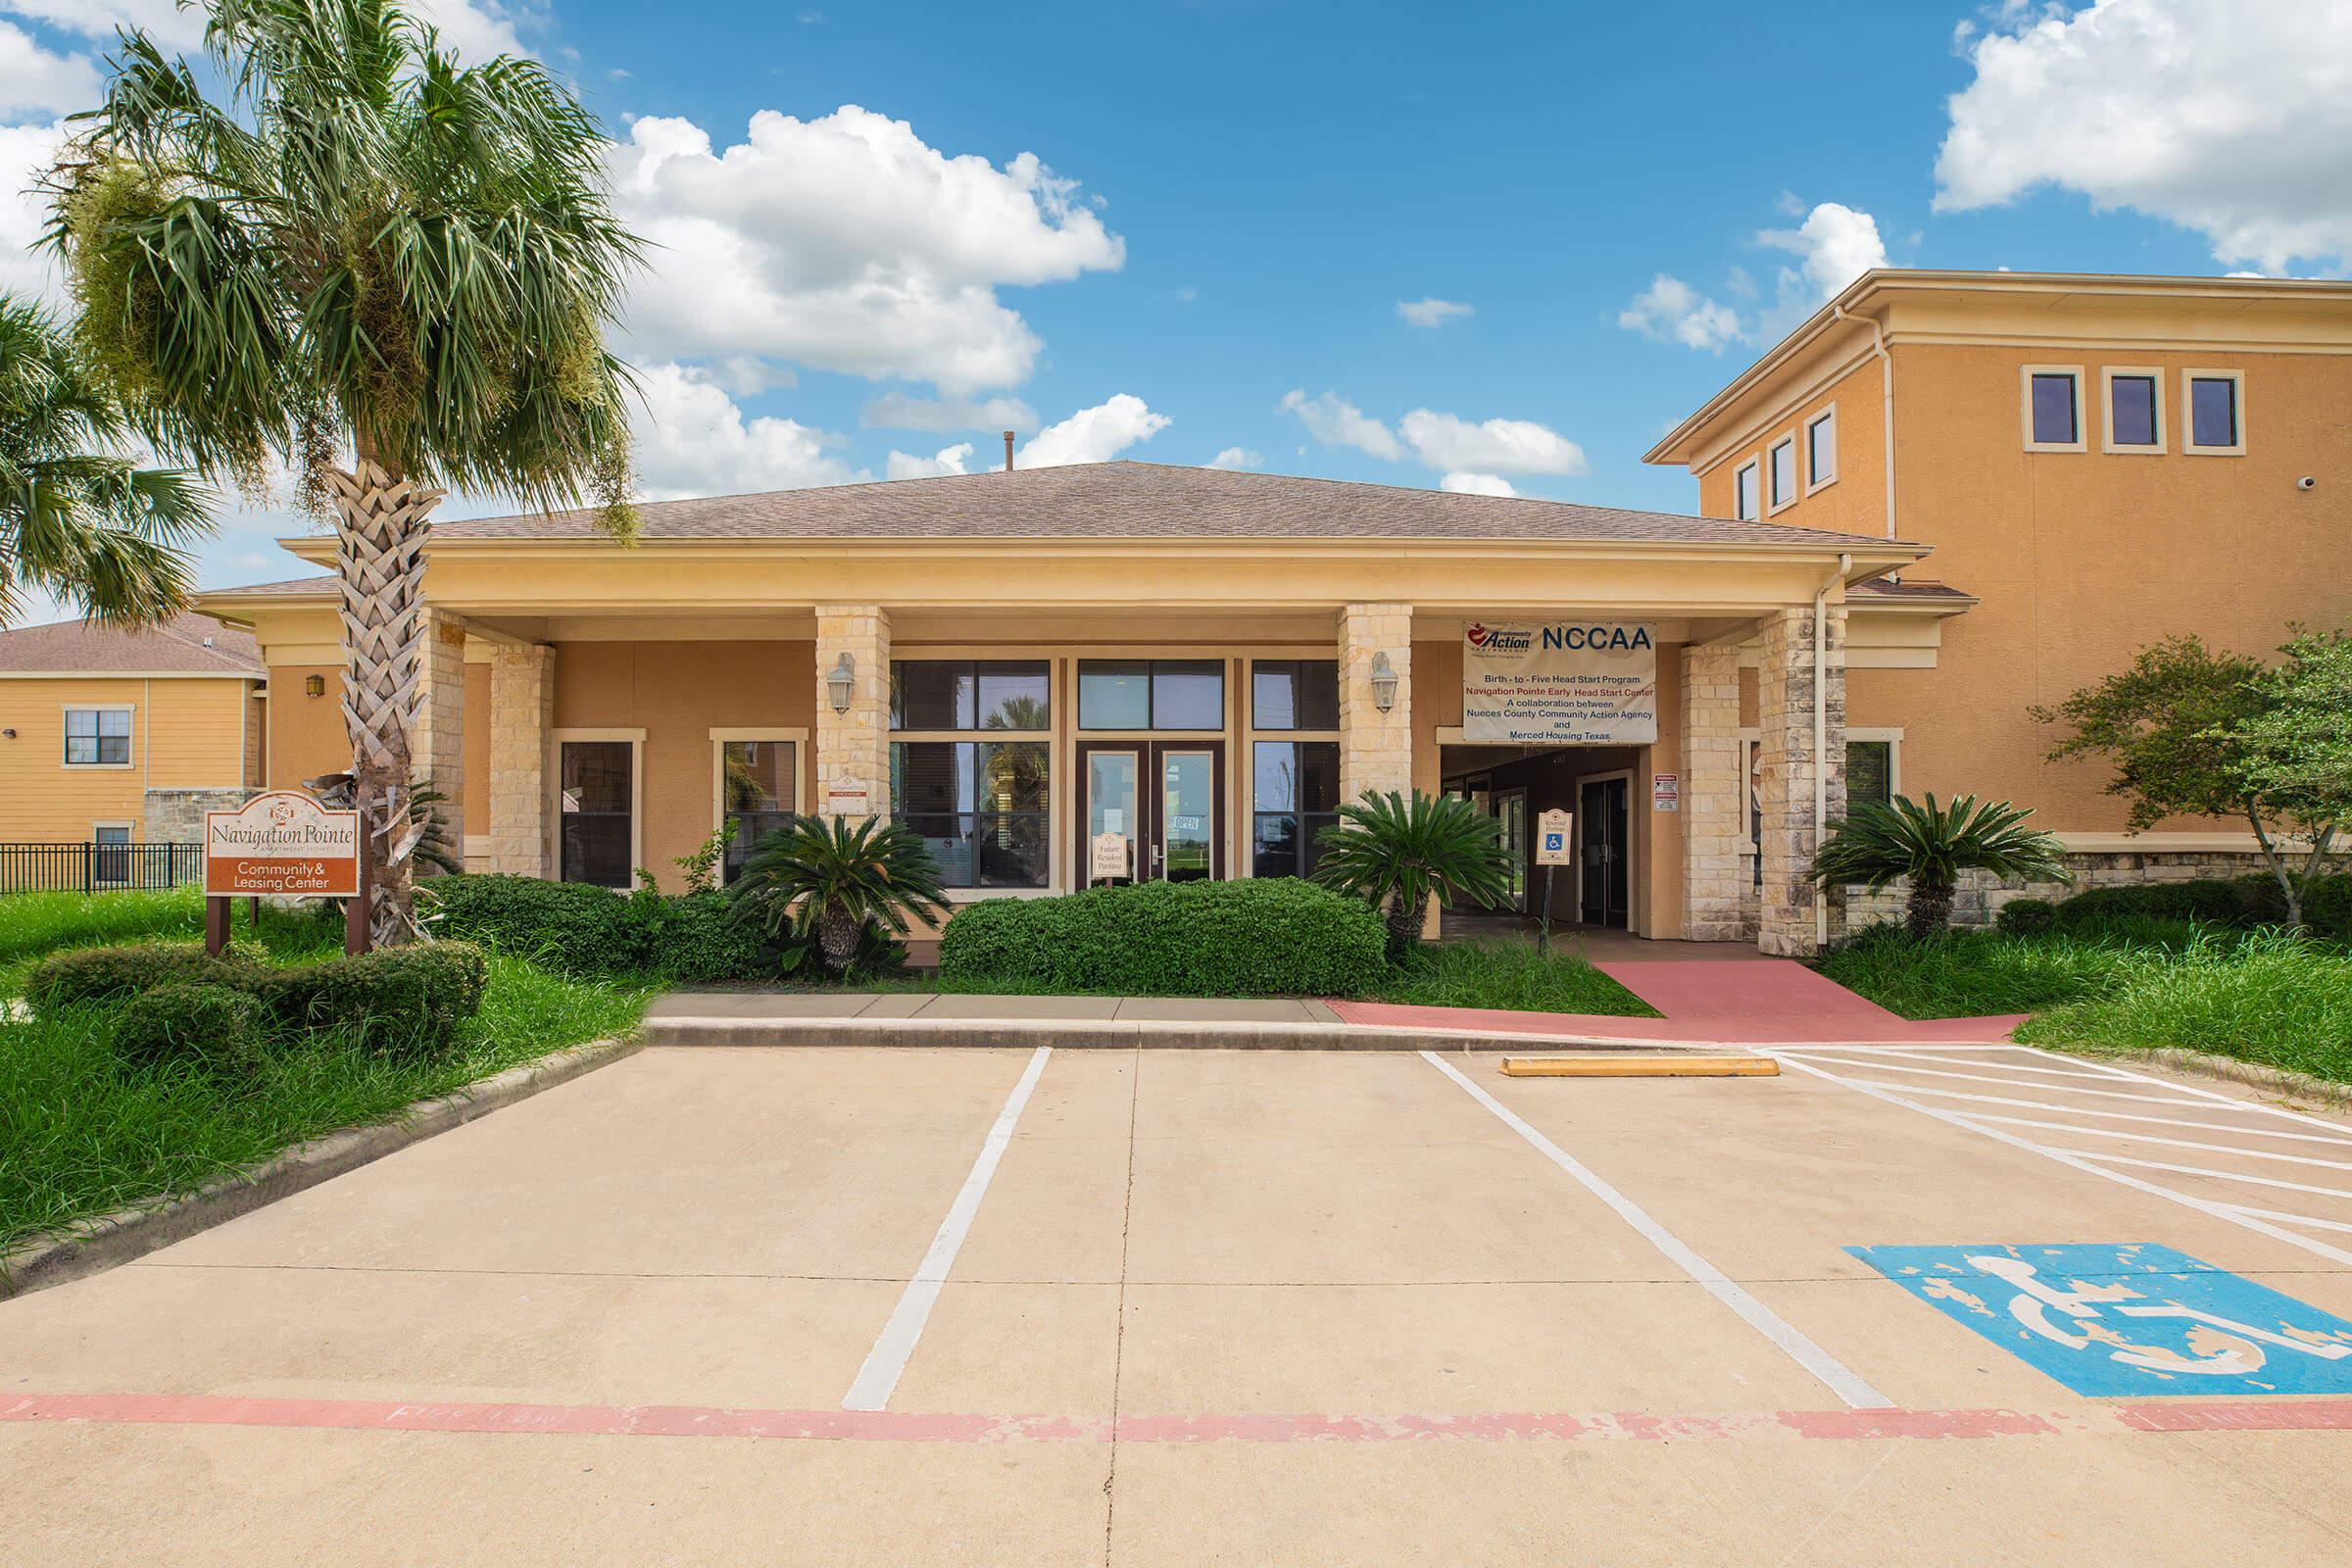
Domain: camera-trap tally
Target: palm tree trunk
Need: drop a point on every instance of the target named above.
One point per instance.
(1404, 918)
(380, 530)
(837, 938)
(1930, 909)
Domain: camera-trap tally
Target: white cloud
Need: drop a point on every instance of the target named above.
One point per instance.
(26, 153)
(1237, 458)
(1477, 485)
(1836, 244)
(1335, 421)
(35, 80)
(1094, 435)
(2231, 120)
(948, 460)
(692, 440)
(895, 411)
(1431, 313)
(474, 29)
(1672, 311)
(1502, 446)
(846, 243)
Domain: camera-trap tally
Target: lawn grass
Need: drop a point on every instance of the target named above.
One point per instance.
(82, 1134)
(1509, 974)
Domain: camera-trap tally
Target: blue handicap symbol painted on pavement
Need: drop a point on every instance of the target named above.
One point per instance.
(2137, 1319)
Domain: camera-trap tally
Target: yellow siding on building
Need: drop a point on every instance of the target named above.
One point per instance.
(184, 734)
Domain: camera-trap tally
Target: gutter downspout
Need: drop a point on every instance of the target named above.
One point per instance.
(1887, 412)
(1821, 742)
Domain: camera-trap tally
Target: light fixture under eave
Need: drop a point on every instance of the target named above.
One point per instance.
(314, 685)
(841, 681)
(1384, 683)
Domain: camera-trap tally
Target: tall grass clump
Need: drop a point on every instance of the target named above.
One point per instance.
(2275, 998)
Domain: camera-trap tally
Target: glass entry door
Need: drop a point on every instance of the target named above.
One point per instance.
(1510, 816)
(1152, 810)
(1606, 864)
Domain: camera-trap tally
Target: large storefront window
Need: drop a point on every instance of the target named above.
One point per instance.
(1295, 795)
(598, 801)
(755, 794)
(1116, 694)
(980, 805)
(968, 694)
(1295, 694)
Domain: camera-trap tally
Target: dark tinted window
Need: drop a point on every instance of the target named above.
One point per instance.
(598, 799)
(2213, 412)
(981, 807)
(755, 790)
(2054, 421)
(2132, 411)
(961, 693)
(1295, 796)
(1013, 695)
(1295, 694)
(1784, 473)
(1868, 771)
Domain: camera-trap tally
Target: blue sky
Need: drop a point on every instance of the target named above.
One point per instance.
(1612, 210)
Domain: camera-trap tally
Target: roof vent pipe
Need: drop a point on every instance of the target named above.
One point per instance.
(1009, 452)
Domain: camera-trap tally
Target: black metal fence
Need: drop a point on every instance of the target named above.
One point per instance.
(97, 867)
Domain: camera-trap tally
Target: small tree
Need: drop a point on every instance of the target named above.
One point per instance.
(826, 877)
(1399, 856)
(2195, 733)
(1933, 845)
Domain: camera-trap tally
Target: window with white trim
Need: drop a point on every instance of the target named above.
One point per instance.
(1743, 491)
(97, 737)
(758, 783)
(1821, 450)
(2215, 413)
(1781, 468)
(2135, 408)
(2052, 407)
(595, 799)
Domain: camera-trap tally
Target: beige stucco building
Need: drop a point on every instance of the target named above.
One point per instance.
(1064, 674)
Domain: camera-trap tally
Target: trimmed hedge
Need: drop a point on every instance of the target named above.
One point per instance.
(1270, 935)
(2237, 903)
(213, 1027)
(108, 974)
(568, 926)
(400, 1000)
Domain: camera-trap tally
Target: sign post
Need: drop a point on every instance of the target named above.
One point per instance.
(286, 844)
(1551, 853)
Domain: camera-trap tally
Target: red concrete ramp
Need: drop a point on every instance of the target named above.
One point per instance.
(1779, 1000)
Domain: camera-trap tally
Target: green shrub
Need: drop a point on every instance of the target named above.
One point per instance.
(1271, 936)
(400, 1000)
(697, 938)
(2025, 917)
(214, 1028)
(567, 926)
(2237, 903)
(108, 974)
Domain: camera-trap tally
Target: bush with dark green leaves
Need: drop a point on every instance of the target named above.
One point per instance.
(2238, 904)
(697, 937)
(1266, 936)
(407, 1001)
(2025, 917)
(111, 975)
(568, 926)
(216, 1028)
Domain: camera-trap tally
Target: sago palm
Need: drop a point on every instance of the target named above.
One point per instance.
(1933, 845)
(78, 520)
(1399, 855)
(830, 877)
(384, 269)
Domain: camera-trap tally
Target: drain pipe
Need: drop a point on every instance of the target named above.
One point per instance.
(1887, 410)
(1821, 743)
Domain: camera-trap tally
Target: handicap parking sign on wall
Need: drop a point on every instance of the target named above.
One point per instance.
(2137, 1319)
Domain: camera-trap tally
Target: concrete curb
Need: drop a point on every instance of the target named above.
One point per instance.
(95, 1246)
(2322, 1092)
(1125, 1035)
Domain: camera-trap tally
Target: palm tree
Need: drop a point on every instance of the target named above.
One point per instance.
(78, 520)
(827, 876)
(1399, 856)
(1933, 845)
(381, 269)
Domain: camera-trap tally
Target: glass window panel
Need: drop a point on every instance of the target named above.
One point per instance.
(2213, 412)
(1744, 501)
(1319, 777)
(596, 798)
(979, 806)
(596, 849)
(1783, 472)
(927, 776)
(1010, 776)
(595, 777)
(1010, 849)
(2054, 423)
(1820, 455)
(757, 786)
(1014, 696)
(930, 694)
(1295, 694)
(1114, 694)
(1188, 694)
(1274, 845)
(82, 721)
(1868, 771)
(2132, 411)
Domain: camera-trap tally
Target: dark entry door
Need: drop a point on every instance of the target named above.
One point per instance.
(1166, 798)
(1606, 880)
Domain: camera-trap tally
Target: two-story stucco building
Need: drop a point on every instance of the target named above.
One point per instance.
(1125, 670)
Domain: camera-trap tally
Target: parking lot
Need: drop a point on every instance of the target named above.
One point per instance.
(1913, 1304)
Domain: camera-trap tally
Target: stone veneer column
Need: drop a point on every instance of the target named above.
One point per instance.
(1376, 749)
(1714, 795)
(1785, 716)
(437, 739)
(853, 748)
(523, 714)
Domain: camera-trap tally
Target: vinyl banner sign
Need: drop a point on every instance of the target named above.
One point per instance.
(1567, 683)
(281, 843)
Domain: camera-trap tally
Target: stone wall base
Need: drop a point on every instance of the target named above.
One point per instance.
(1979, 898)
(177, 816)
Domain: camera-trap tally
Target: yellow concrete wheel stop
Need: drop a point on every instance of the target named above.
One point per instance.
(1677, 1065)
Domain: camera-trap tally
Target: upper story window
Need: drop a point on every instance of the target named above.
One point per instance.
(1743, 491)
(2216, 412)
(2135, 408)
(1781, 463)
(1821, 450)
(1299, 694)
(2053, 411)
(1151, 694)
(968, 694)
(97, 737)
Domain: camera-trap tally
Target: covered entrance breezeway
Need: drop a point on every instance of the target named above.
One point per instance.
(1515, 785)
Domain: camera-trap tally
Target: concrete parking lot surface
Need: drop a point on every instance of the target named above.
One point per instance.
(910, 1306)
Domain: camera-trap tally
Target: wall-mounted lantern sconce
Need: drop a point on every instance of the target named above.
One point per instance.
(1384, 683)
(314, 685)
(839, 682)
(7, 734)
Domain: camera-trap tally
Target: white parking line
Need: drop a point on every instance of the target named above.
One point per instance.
(1840, 1379)
(879, 1376)
(2085, 1110)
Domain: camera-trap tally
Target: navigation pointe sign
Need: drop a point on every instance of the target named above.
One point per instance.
(281, 843)
(1560, 683)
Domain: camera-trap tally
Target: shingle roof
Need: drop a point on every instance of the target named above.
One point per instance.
(187, 644)
(1922, 589)
(1139, 500)
(323, 584)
